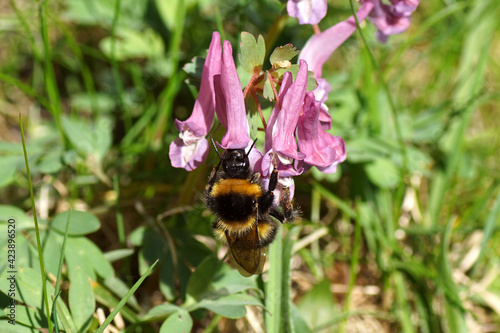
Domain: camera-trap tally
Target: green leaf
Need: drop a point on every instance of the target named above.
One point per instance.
(228, 280)
(8, 169)
(51, 162)
(231, 306)
(121, 304)
(86, 102)
(132, 44)
(180, 322)
(167, 11)
(317, 306)
(29, 316)
(101, 13)
(52, 249)
(81, 252)
(89, 138)
(81, 299)
(80, 223)
(195, 67)
(119, 288)
(383, 173)
(299, 324)
(119, 254)
(5, 327)
(28, 286)
(252, 52)
(22, 221)
(294, 69)
(200, 281)
(282, 55)
(167, 277)
(162, 310)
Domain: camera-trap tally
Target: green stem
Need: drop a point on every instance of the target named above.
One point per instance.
(49, 77)
(116, 74)
(37, 231)
(388, 93)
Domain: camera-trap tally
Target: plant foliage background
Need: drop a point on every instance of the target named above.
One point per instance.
(387, 244)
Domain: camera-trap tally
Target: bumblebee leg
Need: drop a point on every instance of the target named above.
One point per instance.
(267, 199)
(255, 178)
(286, 211)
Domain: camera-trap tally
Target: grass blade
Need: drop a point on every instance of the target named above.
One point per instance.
(125, 299)
(37, 231)
(273, 285)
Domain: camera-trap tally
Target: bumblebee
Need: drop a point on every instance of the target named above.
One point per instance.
(246, 216)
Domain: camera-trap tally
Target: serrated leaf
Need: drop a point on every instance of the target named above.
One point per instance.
(383, 173)
(179, 322)
(282, 55)
(252, 52)
(81, 299)
(80, 223)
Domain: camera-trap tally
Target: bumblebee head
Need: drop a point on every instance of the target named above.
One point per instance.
(235, 163)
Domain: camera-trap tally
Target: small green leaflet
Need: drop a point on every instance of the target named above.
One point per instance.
(252, 52)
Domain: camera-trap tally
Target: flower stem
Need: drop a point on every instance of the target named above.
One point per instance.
(389, 96)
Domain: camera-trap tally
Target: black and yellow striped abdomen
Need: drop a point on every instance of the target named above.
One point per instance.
(234, 201)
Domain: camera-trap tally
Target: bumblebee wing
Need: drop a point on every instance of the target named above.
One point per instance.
(246, 252)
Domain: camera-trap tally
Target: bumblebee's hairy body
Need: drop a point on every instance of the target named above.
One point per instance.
(243, 210)
(241, 205)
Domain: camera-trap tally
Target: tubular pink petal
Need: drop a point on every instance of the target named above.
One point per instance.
(283, 132)
(202, 118)
(321, 46)
(237, 135)
(307, 11)
(188, 156)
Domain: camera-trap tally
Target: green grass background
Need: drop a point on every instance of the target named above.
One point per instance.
(404, 238)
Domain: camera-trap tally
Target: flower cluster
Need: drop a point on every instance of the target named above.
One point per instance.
(296, 136)
(389, 19)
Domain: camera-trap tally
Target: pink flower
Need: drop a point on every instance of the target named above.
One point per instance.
(283, 129)
(391, 19)
(230, 104)
(307, 11)
(191, 148)
(318, 50)
(322, 149)
(321, 46)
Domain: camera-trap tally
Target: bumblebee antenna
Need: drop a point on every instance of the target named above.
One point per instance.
(215, 147)
(253, 144)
